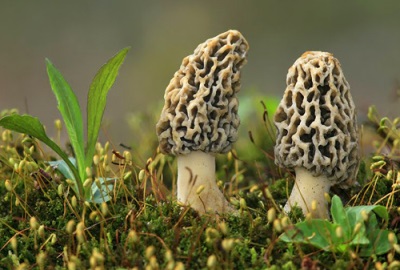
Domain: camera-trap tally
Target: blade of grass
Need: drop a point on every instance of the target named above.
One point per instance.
(71, 112)
(97, 96)
(32, 126)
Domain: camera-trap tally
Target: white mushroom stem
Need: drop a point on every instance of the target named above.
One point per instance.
(197, 185)
(308, 188)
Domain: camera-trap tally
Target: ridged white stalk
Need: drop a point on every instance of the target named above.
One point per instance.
(308, 188)
(197, 185)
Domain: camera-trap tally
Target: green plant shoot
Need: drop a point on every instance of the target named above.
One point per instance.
(72, 115)
(351, 227)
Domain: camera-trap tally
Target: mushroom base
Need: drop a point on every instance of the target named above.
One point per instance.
(308, 188)
(197, 185)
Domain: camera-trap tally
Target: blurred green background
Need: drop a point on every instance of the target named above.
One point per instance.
(79, 36)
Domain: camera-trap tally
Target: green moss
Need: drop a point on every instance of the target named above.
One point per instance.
(143, 215)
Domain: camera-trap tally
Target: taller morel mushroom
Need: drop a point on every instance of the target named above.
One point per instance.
(200, 118)
(316, 131)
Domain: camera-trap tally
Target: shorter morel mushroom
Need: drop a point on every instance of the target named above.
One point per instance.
(200, 118)
(316, 131)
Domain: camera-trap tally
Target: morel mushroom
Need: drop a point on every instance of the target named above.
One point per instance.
(200, 118)
(316, 131)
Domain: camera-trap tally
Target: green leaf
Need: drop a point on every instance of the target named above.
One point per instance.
(378, 238)
(63, 167)
(354, 216)
(71, 112)
(379, 243)
(339, 217)
(101, 190)
(354, 213)
(317, 232)
(31, 126)
(360, 238)
(97, 96)
(368, 238)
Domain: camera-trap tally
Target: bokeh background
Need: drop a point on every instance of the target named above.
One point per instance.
(79, 36)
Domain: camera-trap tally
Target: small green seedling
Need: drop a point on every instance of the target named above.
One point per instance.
(351, 228)
(75, 169)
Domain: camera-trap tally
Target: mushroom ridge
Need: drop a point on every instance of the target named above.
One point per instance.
(316, 120)
(201, 108)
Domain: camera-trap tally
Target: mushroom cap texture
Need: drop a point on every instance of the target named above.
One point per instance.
(316, 120)
(201, 108)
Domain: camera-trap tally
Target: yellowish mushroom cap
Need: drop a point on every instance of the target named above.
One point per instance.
(201, 108)
(316, 120)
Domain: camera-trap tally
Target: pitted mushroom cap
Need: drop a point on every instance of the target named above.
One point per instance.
(201, 108)
(316, 120)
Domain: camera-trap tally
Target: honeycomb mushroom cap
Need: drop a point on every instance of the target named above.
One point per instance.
(201, 108)
(316, 120)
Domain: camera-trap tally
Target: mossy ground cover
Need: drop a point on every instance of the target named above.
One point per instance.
(120, 212)
(44, 225)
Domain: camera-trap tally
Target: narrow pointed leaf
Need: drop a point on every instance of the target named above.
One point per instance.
(71, 112)
(31, 126)
(97, 96)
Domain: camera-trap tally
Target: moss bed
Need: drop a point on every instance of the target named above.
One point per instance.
(43, 225)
